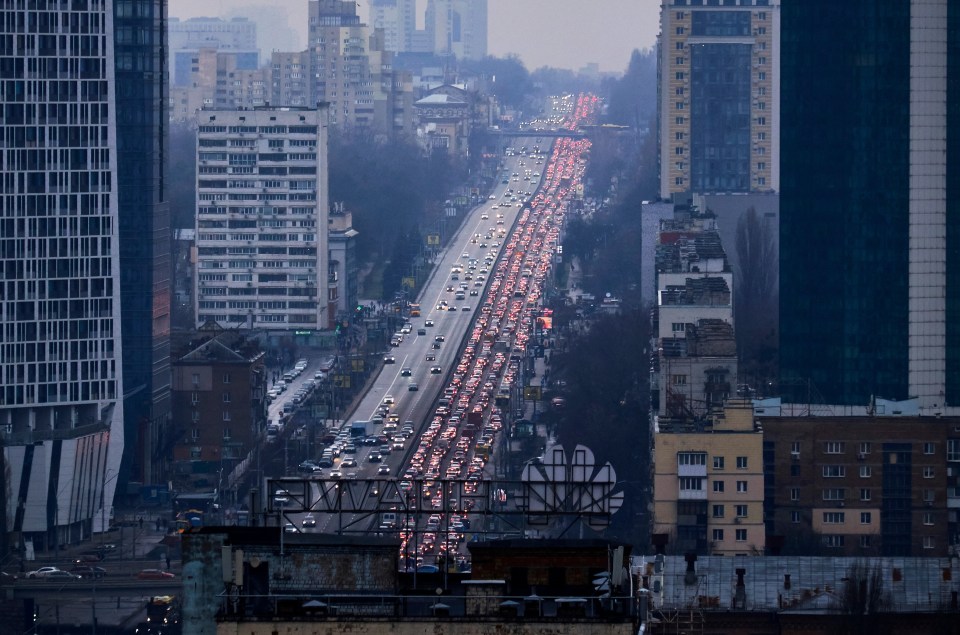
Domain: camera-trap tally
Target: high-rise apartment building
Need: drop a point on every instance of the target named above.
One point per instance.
(349, 65)
(186, 37)
(870, 202)
(144, 226)
(216, 81)
(719, 96)
(262, 208)
(457, 27)
(398, 19)
(61, 401)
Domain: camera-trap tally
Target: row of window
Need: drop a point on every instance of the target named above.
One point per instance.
(739, 534)
(700, 458)
(719, 511)
(865, 447)
(838, 541)
(696, 484)
(840, 494)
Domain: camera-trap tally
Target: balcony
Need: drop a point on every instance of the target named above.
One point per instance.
(692, 495)
(692, 470)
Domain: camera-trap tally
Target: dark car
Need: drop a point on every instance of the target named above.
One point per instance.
(389, 359)
(435, 370)
(88, 556)
(87, 571)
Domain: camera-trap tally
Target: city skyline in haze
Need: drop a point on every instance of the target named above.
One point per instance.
(557, 33)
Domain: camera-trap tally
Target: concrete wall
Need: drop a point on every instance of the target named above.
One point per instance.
(419, 627)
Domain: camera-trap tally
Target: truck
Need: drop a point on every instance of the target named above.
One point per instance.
(359, 429)
(474, 423)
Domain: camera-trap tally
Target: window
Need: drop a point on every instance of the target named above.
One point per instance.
(794, 493)
(834, 494)
(679, 30)
(226, 415)
(865, 494)
(929, 448)
(742, 486)
(834, 542)
(795, 517)
(928, 542)
(928, 518)
(678, 327)
(679, 76)
(718, 462)
(834, 471)
(866, 518)
(761, 15)
(741, 511)
(835, 447)
(953, 449)
(864, 447)
(865, 541)
(718, 486)
(226, 434)
(195, 416)
(678, 380)
(741, 462)
(834, 518)
(688, 483)
(226, 378)
(866, 471)
(194, 398)
(679, 137)
(718, 511)
(679, 46)
(762, 76)
(226, 397)
(718, 535)
(195, 433)
(679, 61)
(196, 379)
(692, 458)
(928, 472)
(928, 496)
(679, 121)
(761, 121)
(741, 535)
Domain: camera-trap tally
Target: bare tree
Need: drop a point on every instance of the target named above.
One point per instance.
(863, 599)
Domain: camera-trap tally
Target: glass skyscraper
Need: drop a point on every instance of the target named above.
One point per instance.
(869, 203)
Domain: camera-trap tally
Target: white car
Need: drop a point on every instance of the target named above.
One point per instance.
(42, 572)
(388, 400)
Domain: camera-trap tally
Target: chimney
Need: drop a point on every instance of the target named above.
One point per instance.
(690, 577)
(740, 595)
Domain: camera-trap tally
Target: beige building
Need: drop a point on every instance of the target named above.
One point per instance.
(216, 82)
(708, 484)
(719, 97)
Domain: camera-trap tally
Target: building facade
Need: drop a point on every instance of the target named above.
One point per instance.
(872, 182)
(719, 96)
(61, 352)
(708, 486)
(219, 410)
(186, 37)
(398, 19)
(145, 248)
(262, 207)
(864, 486)
(457, 28)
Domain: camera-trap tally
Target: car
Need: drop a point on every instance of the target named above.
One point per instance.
(309, 521)
(440, 338)
(348, 462)
(383, 470)
(388, 400)
(430, 357)
(307, 467)
(87, 571)
(336, 474)
(157, 574)
(60, 575)
(449, 288)
(290, 528)
(435, 370)
(428, 323)
(474, 292)
(42, 572)
(466, 254)
(389, 359)
(406, 371)
(413, 387)
(465, 308)
(88, 556)
(484, 216)
(435, 345)
(374, 457)
(421, 331)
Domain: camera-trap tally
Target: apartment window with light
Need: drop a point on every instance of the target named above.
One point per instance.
(866, 518)
(718, 511)
(835, 447)
(742, 487)
(833, 518)
(718, 462)
(741, 535)
(794, 493)
(741, 511)
(928, 472)
(718, 486)
(866, 471)
(795, 517)
(718, 535)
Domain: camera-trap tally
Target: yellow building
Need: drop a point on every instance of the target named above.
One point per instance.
(708, 484)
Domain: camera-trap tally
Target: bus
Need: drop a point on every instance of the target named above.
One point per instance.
(414, 309)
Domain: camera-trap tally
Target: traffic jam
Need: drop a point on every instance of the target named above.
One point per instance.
(458, 441)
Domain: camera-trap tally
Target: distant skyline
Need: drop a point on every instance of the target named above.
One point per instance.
(559, 33)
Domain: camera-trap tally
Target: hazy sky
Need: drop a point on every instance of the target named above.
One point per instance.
(560, 33)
